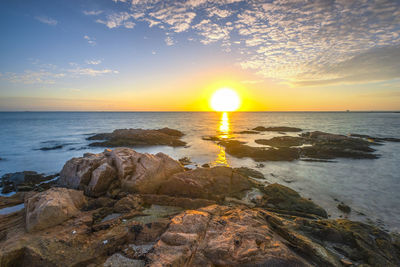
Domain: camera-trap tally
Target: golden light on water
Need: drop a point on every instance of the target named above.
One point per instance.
(225, 99)
(225, 133)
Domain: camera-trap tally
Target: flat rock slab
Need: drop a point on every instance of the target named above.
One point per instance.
(139, 137)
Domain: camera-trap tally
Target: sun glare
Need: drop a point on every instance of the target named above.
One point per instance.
(225, 99)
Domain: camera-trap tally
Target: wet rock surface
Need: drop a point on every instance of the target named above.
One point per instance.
(194, 218)
(24, 181)
(139, 137)
(309, 146)
(277, 129)
(240, 150)
(249, 172)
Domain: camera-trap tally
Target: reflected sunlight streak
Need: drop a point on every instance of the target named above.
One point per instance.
(225, 133)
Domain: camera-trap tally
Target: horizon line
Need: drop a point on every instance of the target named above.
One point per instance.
(182, 111)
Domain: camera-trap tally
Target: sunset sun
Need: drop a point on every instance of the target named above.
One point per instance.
(225, 99)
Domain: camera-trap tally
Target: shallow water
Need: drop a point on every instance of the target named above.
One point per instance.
(368, 186)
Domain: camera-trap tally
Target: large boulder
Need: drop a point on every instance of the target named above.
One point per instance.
(133, 171)
(206, 183)
(52, 207)
(143, 173)
(78, 171)
(222, 236)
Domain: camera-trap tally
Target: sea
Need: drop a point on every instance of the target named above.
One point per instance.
(371, 187)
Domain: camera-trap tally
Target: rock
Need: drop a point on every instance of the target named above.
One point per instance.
(182, 202)
(77, 172)
(211, 138)
(139, 137)
(52, 207)
(23, 181)
(221, 236)
(376, 139)
(101, 179)
(277, 129)
(119, 168)
(281, 141)
(171, 132)
(282, 198)
(248, 132)
(13, 200)
(207, 183)
(238, 149)
(51, 147)
(362, 244)
(330, 146)
(205, 165)
(249, 172)
(343, 207)
(185, 161)
(143, 173)
(128, 203)
(117, 260)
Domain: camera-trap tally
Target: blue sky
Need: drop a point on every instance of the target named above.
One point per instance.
(169, 55)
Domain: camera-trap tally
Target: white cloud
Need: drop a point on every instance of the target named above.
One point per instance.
(93, 62)
(32, 77)
(116, 20)
(91, 72)
(47, 20)
(91, 41)
(169, 41)
(92, 12)
(279, 39)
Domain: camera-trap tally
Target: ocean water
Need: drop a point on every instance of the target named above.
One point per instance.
(369, 187)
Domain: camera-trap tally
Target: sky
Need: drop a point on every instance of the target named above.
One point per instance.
(160, 55)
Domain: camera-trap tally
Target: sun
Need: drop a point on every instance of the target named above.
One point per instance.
(225, 99)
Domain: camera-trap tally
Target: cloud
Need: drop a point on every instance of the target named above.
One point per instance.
(47, 20)
(116, 20)
(91, 41)
(51, 74)
(32, 77)
(91, 72)
(169, 41)
(92, 12)
(286, 40)
(377, 64)
(93, 62)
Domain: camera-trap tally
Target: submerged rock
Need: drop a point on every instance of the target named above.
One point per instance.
(277, 129)
(330, 146)
(249, 172)
(139, 137)
(240, 150)
(375, 139)
(343, 207)
(52, 207)
(248, 132)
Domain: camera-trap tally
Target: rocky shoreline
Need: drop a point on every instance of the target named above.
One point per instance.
(124, 208)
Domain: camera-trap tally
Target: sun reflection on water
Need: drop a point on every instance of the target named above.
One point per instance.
(223, 133)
